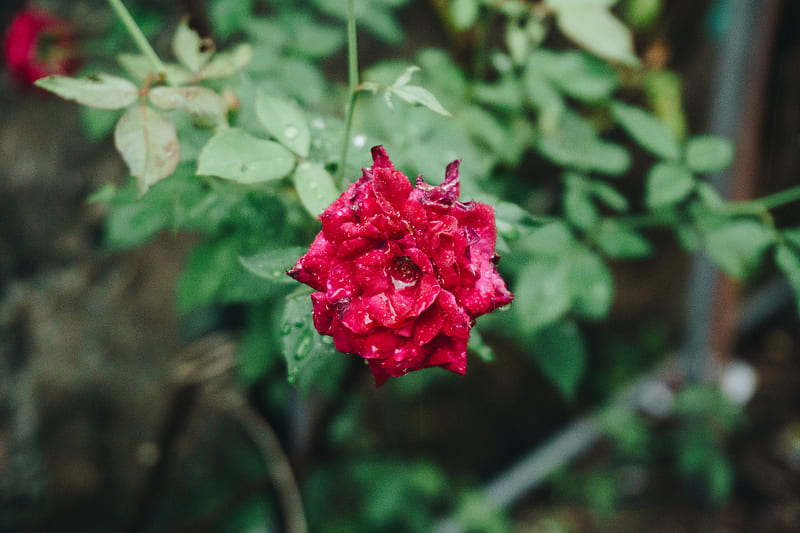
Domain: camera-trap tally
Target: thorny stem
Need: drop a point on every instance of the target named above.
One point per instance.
(138, 37)
(352, 75)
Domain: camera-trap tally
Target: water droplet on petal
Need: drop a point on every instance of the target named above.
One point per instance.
(291, 132)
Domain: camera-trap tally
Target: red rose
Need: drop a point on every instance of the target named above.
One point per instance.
(38, 44)
(403, 271)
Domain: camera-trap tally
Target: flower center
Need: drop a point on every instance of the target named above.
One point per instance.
(404, 273)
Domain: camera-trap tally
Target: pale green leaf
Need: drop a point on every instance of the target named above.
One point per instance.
(148, 143)
(140, 67)
(284, 121)
(738, 246)
(202, 103)
(598, 31)
(404, 78)
(315, 187)
(227, 63)
(189, 48)
(236, 155)
(101, 91)
(708, 153)
(667, 184)
(647, 130)
(413, 94)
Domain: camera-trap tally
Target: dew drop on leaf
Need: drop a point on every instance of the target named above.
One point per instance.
(291, 132)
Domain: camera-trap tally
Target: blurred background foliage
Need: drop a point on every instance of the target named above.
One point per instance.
(583, 122)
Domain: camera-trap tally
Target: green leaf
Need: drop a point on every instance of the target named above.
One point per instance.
(148, 143)
(205, 105)
(560, 353)
(190, 50)
(229, 62)
(792, 235)
(788, 261)
(485, 127)
(554, 238)
(574, 143)
(647, 130)
(479, 347)
(642, 14)
(576, 4)
(236, 155)
(204, 274)
(597, 30)
(140, 67)
(738, 245)
(542, 94)
(308, 354)
(622, 242)
(133, 224)
(542, 294)
(284, 121)
(590, 283)
(273, 263)
(708, 153)
(664, 90)
(315, 187)
(609, 195)
(405, 77)
(667, 184)
(308, 37)
(101, 91)
(578, 74)
(227, 17)
(464, 13)
(578, 205)
(414, 94)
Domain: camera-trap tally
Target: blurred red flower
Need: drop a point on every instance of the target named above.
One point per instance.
(403, 271)
(38, 44)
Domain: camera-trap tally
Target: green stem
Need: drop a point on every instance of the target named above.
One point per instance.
(352, 76)
(762, 205)
(138, 36)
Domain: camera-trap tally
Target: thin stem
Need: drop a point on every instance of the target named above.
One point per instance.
(766, 203)
(352, 77)
(280, 471)
(138, 37)
(348, 127)
(352, 47)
